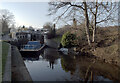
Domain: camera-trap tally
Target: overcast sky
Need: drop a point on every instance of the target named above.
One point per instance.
(28, 13)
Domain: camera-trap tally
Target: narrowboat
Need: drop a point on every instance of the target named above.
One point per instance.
(31, 48)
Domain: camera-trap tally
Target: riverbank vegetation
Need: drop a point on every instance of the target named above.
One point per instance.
(94, 25)
(105, 47)
(68, 40)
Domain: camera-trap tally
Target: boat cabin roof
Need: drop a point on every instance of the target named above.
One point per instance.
(33, 43)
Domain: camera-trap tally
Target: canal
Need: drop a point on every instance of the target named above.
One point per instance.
(50, 65)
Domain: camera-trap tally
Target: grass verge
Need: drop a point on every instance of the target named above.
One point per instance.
(5, 48)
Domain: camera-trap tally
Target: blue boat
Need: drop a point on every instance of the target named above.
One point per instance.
(32, 47)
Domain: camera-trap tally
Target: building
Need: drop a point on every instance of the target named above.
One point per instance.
(23, 35)
(13, 33)
(30, 36)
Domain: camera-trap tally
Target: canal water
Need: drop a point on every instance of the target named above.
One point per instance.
(50, 65)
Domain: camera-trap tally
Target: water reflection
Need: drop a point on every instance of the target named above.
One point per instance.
(51, 56)
(50, 65)
(68, 64)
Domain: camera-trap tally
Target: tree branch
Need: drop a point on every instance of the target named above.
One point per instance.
(76, 6)
(62, 14)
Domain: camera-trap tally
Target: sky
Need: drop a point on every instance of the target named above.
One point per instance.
(28, 13)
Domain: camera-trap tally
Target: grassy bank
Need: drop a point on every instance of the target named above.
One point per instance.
(5, 48)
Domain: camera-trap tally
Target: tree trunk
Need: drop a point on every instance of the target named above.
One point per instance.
(94, 30)
(95, 16)
(87, 23)
(93, 37)
(74, 23)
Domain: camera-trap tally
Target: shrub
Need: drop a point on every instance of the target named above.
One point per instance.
(68, 40)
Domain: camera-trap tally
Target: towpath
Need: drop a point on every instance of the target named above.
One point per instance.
(19, 70)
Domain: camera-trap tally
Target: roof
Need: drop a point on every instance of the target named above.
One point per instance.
(33, 43)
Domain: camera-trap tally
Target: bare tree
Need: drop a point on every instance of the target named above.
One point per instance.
(48, 25)
(67, 8)
(51, 28)
(7, 19)
(101, 12)
(94, 13)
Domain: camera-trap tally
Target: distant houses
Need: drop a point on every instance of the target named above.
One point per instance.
(29, 34)
(13, 33)
(23, 35)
